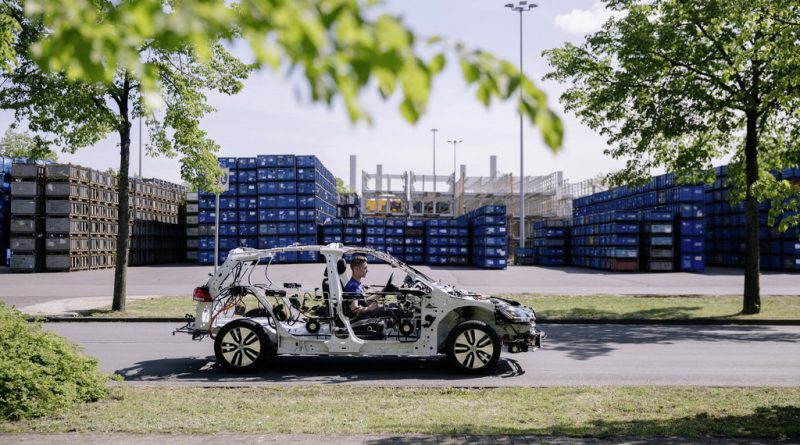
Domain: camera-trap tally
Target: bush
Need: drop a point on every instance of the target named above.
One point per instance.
(40, 372)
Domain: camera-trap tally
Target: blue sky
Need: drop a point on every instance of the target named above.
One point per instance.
(267, 117)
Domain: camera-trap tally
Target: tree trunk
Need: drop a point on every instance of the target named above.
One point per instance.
(752, 288)
(124, 217)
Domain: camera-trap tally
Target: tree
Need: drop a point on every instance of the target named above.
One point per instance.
(22, 145)
(339, 47)
(687, 82)
(341, 187)
(80, 113)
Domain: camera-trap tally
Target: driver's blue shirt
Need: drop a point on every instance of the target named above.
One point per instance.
(354, 287)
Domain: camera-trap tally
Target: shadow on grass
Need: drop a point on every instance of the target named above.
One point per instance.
(775, 422)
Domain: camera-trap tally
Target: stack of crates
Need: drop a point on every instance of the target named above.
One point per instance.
(726, 232)
(608, 241)
(348, 206)
(657, 242)
(353, 232)
(395, 237)
(549, 242)
(5, 208)
(375, 235)
(333, 232)
(316, 191)
(81, 224)
(192, 226)
(276, 203)
(158, 212)
(228, 217)
(488, 237)
(26, 218)
(687, 204)
(447, 242)
(525, 256)
(414, 241)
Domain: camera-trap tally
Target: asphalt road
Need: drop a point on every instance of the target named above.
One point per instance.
(574, 355)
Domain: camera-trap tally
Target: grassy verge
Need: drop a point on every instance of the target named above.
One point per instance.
(657, 307)
(636, 411)
(552, 307)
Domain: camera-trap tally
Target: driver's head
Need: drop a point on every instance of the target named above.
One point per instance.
(358, 266)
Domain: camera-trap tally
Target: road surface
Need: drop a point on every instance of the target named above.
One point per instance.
(574, 355)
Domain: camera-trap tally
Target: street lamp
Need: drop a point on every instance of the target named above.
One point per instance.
(455, 143)
(434, 130)
(521, 6)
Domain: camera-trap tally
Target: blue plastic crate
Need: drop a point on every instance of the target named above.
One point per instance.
(791, 247)
(395, 222)
(306, 161)
(247, 203)
(354, 230)
(247, 189)
(206, 203)
(228, 230)
(327, 239)
(229, 163)
(228, 203)
(417, 223)
(490, 230)
(490, 263)
(270, 242)
(206, 216)
(394, 241)
(246, 164)
(693, 262)
(277, 174)
(308, 257)
(245, 176)
(353, 240)
(228, 243)
(248, 216)
(693, 227)
(227, 216)
(205, 243)
(489, 220)
(277, 215)
(305, 228)
(490, 241)
(693, 245)
(277, 188)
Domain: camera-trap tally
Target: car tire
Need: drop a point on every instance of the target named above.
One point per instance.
(473, 347)
(242, 346)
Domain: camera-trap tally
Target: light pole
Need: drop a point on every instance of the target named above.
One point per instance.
(521, 7)
(434, 130)
(455, 172)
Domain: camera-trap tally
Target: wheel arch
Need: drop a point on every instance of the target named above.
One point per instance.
(458, 316)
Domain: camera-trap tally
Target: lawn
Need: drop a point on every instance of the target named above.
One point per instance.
(555, 307)
(605, 411)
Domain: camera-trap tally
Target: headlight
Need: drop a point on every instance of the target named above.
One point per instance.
(517, 314)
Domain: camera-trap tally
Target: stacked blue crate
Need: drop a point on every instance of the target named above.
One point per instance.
(229, 216)
(276, 187)
(353, 232)
(5, 208)
(447, 242)
(549, 243)
(395, 237)
(375, 236)
(414, 241)
(316, 190)
(790, 239)
(657, 252)
(608, 241)
(488, 237)
(333, 232)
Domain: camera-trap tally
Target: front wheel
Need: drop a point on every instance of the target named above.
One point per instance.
(242, 346)
(473, 347)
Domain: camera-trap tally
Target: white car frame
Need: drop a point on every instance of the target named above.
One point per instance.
(430, 318)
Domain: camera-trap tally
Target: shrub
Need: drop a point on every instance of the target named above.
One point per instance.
(41, 373)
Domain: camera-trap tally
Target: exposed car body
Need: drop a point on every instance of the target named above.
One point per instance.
(422, 317)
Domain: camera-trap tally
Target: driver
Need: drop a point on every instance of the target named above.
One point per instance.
(354, 288)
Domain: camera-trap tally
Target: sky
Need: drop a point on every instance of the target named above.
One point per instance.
(268, 118)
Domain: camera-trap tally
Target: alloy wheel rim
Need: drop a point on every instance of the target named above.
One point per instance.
(240, 347)
(473, 348)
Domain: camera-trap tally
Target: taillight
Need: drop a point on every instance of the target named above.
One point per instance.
(201, 294)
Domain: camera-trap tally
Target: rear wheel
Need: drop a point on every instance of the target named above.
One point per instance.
(242, 346)
(473, 347)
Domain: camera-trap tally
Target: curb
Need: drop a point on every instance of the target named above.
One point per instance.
(571, 321)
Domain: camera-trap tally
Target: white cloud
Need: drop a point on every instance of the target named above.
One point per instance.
(584, 21)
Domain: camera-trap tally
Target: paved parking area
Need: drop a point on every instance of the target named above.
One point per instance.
(180, 279)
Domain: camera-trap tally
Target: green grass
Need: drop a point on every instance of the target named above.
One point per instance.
(634, 411)
(551, 307)
(657, 307)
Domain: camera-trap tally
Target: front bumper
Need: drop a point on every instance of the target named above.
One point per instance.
(530, 341)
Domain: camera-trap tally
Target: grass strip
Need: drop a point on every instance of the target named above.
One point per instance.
(555, 307)
(651, 307)
(596, 412)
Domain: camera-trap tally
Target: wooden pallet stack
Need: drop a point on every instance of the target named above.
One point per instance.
(158, 211)
(81, 218)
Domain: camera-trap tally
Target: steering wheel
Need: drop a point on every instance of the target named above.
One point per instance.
(389, 286)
